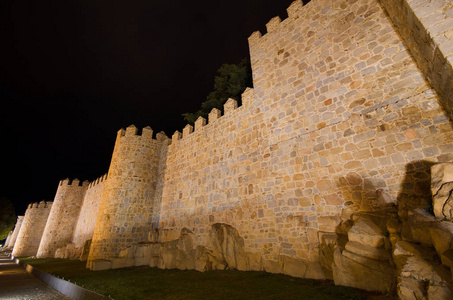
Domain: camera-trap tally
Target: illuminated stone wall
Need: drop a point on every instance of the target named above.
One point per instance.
(12, 239)
(337, 136)
(63, 217)
(427, 30)
(89, 212)
(32, 228)
(340, 119)
(128, 200)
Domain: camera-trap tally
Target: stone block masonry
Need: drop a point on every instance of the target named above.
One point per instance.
(89, 212)
(319, 173)
(12, 239)
(426, 27)
(63, 217)
(126, 209)
(32, 228)
(339, 111)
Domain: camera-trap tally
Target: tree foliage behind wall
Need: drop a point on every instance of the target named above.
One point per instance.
(231, 80)
(7, 217)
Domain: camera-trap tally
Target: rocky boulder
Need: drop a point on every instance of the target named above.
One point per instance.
(179, 253)
(365, 259)
(85, 250)
(68, 251)
(420, 276)
(358, 271)
(442, 190)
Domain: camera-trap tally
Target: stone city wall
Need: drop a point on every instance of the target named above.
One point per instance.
(340, 120)
(426, 28)
(126, 209)
(89, 212)
(320, 172)
(7, 239)
(12, 239)
(63, 216)
(32, 229)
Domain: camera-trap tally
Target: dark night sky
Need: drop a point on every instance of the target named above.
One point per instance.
(72, 73)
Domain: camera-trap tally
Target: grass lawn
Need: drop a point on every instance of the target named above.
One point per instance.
(152, 283)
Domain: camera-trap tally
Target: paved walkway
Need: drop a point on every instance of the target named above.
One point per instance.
(16, 283)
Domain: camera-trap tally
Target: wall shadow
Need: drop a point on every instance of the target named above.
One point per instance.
(415, 189)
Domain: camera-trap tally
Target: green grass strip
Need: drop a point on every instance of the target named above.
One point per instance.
(153, 283)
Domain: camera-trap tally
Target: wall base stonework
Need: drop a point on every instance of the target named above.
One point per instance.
(32, 229)
(326, 170)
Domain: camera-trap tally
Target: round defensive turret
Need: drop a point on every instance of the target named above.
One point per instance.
(8, 239)
(32, 229)
(12, 239)
(126, 209)
(63, 217)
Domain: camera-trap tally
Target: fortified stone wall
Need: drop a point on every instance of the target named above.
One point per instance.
(340, 121)
(162, 166)
(63, 217)
(89, 212)
(7, 239)
(12, 239)
(427, 29)
(319, 173)
(126, 209)
(32, 229)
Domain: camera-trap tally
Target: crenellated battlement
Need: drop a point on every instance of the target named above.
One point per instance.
(229, 107)
(176, 136)
(13, 237)
(132, 130)
(98, 181)
(73, 183)
(41, 205)
(137, 162)
(340, 124)
(200, 123)
(32, 228)
(146, 133)
(294, 11)
(61, 221)
(162, 137)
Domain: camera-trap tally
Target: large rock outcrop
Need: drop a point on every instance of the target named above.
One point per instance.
(365, 259)
(442, 190)
(420, 276)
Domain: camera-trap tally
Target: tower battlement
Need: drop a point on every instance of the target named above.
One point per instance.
(294, 12)
(63, 216)
(136, 161)
(229, 108)
(132, 130)
(32, 229)
(74, 182)
(43, 204)
(12, 239)
(340, 124)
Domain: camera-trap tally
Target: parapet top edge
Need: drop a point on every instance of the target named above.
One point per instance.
(229, 107)
(73, 182)
(146, 132)
(293, 11)
(41, 204)
(200, 123)
(98, 180)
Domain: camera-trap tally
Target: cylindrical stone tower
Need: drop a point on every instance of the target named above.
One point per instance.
(126, 209)
(32, 228)
(12, 239)
(63, 217)
(7, 239)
